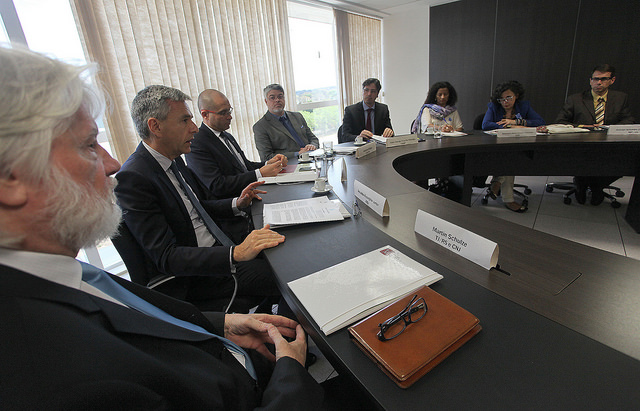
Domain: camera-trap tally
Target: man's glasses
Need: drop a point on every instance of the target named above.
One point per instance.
(394, 326)
(502, 100)
(596, 79)
(222, 113)
(276, 97)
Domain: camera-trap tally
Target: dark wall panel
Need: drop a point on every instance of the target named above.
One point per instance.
(533, 46)
(461, 49)
(609, 32)
(534, 43)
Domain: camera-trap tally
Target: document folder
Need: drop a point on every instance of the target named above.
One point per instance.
(423, 344)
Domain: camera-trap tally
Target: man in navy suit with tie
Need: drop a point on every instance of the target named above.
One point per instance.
(215, 155)
(69, 342)
(367, 118)
(166, 222)
(593, 108)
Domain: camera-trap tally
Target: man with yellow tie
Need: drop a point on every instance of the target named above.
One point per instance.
(593, 108)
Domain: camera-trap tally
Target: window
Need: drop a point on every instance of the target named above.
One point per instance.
(313, 51)
(61, 40)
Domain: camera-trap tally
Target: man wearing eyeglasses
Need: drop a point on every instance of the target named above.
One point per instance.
(593, 108)
(280, 131)
(215, 155)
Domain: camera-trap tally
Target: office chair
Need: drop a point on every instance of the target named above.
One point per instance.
(340, 139)
(571, 190)
(143, 272)
(480, 182)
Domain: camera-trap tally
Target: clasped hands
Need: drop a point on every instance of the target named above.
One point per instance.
(274, 165)
(368, 134)
(252, 331)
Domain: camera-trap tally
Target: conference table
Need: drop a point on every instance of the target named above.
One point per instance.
(561, 330)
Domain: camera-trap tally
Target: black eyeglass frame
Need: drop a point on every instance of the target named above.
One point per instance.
(416, 304)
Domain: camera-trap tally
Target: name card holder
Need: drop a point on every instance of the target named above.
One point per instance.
(343, 172)
(516, 132)
(366, 149)
(623, 129)
(463, 242)
(373, 200)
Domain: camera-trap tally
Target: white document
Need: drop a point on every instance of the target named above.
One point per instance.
(467, 244)
(565, 128)
(294, 177)
(310, 210)
(372, 199)
(453, 134)
(347, 292)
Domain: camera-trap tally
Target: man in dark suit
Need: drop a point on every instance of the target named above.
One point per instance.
(591, 109)
(70, 342)
(167, 223)
(280, 131)
(367, 118)
(215, 155)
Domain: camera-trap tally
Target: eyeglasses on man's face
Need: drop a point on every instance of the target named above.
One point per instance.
(505, 99)
(603, 79)
(275, 97)
(394, 326)
(222, 113)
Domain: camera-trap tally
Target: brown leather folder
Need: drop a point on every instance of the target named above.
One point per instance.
(422, 345)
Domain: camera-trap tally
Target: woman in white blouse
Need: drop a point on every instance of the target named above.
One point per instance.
(439, 109)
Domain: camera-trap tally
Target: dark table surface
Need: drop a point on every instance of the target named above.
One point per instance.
(562, 331)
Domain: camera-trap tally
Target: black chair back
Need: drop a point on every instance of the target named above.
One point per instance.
(477, 123)
(340, 139)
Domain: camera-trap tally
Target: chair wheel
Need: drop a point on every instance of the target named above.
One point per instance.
(619, 194)
(484, 201)
(548, 189)
(567, 200)
(527, 191)
(615, 204)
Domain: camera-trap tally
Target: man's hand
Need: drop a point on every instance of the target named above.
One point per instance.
(256, 241)
(308, 147)
(254, 330)
(249, 193)
(271, 169)
(279, 157)
(387, 132)
(366, 134)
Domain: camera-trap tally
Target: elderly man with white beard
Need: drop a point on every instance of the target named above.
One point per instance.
(76, 337)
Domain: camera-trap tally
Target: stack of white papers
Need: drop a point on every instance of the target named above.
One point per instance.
(396, 141)
(347, 292)
(310, 210)
(564, 128)
(293, 173)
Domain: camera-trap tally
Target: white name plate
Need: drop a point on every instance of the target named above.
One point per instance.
(516, 132)
(623, 129)
(343, 172)
(463, 242)
(368, 148)
(372, 199)
(396, 141)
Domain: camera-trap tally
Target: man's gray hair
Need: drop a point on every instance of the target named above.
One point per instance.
(153, 102)
(270, 87)
(40, 97)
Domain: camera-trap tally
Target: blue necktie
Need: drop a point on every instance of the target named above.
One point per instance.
(213, 228)
(101, 280)
(287, 124)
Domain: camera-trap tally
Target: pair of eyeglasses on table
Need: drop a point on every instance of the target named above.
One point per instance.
(394, 326)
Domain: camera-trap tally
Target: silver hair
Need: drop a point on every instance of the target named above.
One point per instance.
(270, 87)
(153, 102)
(40, 97)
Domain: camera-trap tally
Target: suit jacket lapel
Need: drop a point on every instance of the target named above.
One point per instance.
(587, 100)
(234, 161)
(124, 320)
(279, 127)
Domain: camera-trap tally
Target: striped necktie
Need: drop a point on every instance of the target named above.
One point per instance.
(103, 282)
(600, 111)
(213, 228)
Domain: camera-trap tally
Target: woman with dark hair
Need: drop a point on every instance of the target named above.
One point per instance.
(439, 108)
(508, 110)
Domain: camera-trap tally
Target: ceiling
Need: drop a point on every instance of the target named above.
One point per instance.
(380, 8)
